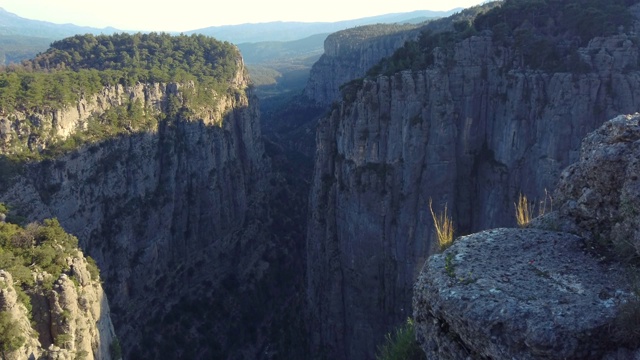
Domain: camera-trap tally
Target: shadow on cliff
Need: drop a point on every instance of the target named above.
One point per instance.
(200, 244)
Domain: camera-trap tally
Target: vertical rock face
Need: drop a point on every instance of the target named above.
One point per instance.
(18, 129)
(471, 134)
(349, 53)
(176, 220)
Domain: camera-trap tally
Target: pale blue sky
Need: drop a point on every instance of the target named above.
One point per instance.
(184, 15)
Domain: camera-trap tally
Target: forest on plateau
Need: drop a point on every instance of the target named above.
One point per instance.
(83, 64)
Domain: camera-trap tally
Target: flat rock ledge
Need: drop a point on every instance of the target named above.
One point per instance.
(520, 294)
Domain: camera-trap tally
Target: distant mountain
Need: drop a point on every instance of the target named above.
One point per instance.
(288, 31)
(12, 24)
(268, 51)
(15, 48)
(22, 38)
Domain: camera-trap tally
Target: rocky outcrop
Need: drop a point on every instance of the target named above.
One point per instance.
(599, 196)
(533, 294)
(17, 318)
(471, 133)
(37, 128)
(519, 294)
(69, 321)
(34, 129)
(81, 312)
(178, 220)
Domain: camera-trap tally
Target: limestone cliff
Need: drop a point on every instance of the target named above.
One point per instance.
(471, 131)
(33, 129)
(349, 54)
(540, 294)
(177, 218)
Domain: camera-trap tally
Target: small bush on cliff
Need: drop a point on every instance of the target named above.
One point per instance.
(10, 337)
(93, 269)
(115, 350)
(63, 340)
(401, 345)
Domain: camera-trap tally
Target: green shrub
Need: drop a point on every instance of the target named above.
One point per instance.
(115, 350)
(44, 246)
(401, 345)
(93, 269)
(62, 340)
(10, 336)
(65, 315)
(24, 298)
(7, 232)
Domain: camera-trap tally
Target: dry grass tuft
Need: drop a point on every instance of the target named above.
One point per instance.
(544, 203)
(444, 227)
(523, 210)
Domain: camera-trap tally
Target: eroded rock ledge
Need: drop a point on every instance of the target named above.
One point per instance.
(523, 294)
(534, 293)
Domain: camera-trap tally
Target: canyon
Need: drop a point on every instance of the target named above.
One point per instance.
(213, 242)
(172, 216)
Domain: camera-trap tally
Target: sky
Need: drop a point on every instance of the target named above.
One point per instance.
(184, 15)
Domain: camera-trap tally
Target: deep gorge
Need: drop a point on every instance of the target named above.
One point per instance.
(221, 232)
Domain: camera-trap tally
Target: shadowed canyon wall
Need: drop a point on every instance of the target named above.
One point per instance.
(472, 132)
(178, 219)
